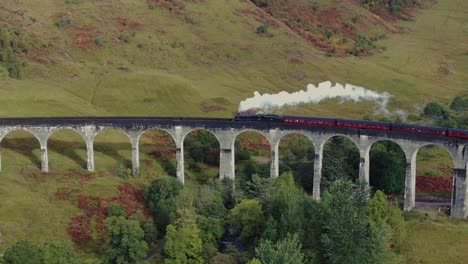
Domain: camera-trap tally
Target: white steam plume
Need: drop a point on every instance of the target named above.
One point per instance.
(314, 95)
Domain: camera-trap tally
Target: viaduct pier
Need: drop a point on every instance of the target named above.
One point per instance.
(226, 131)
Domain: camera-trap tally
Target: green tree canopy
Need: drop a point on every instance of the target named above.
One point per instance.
(23, 251)
(183, 243)
(160, 198)
(59, 252)
(126, 240)
(434, 109)
(247, 218)
(286, 251)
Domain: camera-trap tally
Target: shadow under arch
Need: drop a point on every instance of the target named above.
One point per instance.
(113, 150)
(434, 177)
(24, 142)
(157, 145)
(69, 143)
(201, 154)
(296, 155)
(341, 160)
(387, 166)
(252, 155)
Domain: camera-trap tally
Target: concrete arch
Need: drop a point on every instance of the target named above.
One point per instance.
(301, 133)
(369, 147)
(401, 149)
(305, 181)
(141, 146)
(155, 128)
(216, 162)
(449, 151)
(69, 129)
(200, 129)
(274, 158)
(21, 129)
(452, 176)
(112, 152)
(73, 155)
(110, 128)
(37, 138)
(267, 136)
(363, 162)
(328, 137)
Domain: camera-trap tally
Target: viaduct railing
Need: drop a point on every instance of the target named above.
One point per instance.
(226, 131)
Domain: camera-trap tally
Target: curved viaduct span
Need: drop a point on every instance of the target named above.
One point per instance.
(226, 131)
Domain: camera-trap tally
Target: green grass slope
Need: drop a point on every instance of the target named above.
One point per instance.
(202, 59)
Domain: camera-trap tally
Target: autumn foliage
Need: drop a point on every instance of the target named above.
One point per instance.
(430, 184)
(95, 210)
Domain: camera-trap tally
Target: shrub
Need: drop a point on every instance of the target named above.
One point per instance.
(64, 21)
(115, 210)
(99, 41)
(459, 104)
(262, 29)
(23, 252)
(125, 38)
(434, 109)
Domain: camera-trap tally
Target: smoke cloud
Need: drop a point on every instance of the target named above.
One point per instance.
(314, 95)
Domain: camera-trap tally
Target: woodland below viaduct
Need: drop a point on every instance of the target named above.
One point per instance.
(226, 131)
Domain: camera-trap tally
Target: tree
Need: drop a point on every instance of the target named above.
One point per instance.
(387, 167)
(58, 252)
(23, 251)
(183, 243)
(286, 206)
(286, 251)
(345, 237)
(340, 161)
(247, 219)
(115, 210)
(354, 229)
(379, 230)
(377, 210)
(397, 225)
(160, 197)
(434, 109)
(126, 240)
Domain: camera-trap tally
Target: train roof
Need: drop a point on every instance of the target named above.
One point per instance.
(416, 126)
(310, 117)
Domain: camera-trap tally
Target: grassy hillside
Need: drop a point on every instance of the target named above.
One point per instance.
(201, 58)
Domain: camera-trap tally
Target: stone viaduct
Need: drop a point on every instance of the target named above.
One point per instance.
(226, 131)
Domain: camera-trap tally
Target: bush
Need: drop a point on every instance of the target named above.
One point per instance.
(115, 210)
(64, 21)
(23, 252)
(459, 104)
(99, 41)
(125, 38)
(434, 109)
(10, 46)
(160, 199)
(262, 29)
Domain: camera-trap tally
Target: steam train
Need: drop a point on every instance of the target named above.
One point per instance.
(358, 124)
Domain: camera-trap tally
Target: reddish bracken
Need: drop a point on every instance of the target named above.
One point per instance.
(130, 198)
(80, 229)
(429, 184)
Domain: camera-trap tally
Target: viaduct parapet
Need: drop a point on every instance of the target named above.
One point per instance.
(226, 131)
